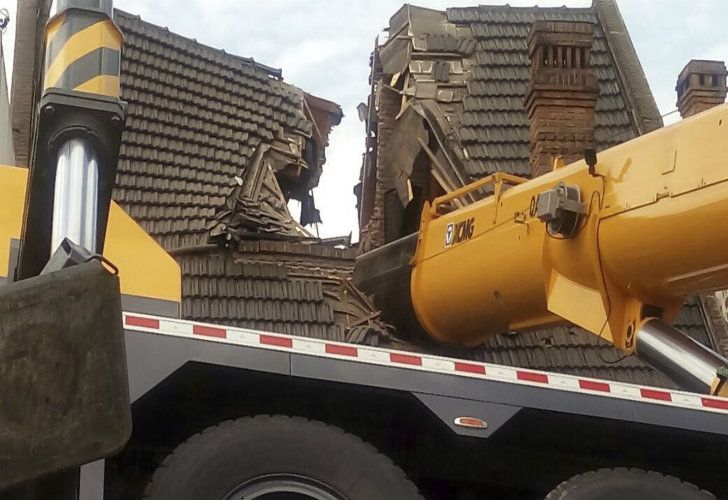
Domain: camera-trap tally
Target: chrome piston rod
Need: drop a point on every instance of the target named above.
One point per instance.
(76, 194)
(688, 363)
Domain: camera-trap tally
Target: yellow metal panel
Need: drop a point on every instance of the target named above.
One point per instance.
(12, 200)
(566, 296)
(145, 269)
(653, 233)
(107, 85)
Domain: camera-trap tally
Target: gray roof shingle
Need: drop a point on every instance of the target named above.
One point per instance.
(282, 287)
(499, 82)
(195, 120)
(200, 124)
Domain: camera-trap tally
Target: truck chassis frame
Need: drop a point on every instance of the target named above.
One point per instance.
(448, 389)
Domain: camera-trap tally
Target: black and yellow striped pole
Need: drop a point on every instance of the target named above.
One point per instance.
(77, 134)
(83, 49)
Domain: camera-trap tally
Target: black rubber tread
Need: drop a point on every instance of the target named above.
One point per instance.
(210, 464)
(627, 484)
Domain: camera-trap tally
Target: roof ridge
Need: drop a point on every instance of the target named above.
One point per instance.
(271, 71)
(313, 249)
(646, 115)
(534, 8)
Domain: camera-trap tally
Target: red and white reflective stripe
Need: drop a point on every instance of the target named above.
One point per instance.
(424, 362)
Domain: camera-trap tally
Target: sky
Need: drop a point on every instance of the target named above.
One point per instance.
(323, 46)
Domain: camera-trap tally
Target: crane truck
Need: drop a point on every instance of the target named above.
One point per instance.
(227, 413)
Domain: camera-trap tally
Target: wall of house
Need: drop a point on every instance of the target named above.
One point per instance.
(30, 21)
(373, 234)
(7, 156)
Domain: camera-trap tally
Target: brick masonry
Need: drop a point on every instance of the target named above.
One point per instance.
(562, 94)
(373, 233)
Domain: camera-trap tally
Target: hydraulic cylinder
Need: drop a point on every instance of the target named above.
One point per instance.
(77, 134)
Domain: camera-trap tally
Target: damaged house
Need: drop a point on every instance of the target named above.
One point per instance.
(455, 97)
(215, 146)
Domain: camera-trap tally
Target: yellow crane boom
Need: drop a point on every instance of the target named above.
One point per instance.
(612, 244)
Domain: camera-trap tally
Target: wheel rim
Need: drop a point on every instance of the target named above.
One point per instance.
(283, 487)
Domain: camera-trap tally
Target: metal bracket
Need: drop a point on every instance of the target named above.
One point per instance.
(452, 411)
(64, 389)
(68, 254)
(498, 180)
(561, 209)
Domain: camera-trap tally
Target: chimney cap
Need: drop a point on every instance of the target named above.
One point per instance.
(563, 27)
(700, 86)
(700, 67)
(564, 33)
(704, 67)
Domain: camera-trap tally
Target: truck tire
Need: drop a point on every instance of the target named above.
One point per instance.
(278, 458)
(627, 484)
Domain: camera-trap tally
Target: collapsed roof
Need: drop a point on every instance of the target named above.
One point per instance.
(466, 73)
(215, 144)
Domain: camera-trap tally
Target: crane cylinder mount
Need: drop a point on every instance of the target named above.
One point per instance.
(78, 134)
(61, 333)
(614, 246)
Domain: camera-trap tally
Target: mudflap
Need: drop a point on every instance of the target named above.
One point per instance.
(64, 397)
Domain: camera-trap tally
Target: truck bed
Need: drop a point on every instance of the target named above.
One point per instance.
(451, 388)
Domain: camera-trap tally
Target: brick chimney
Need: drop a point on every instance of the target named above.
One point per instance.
(562, 94)
(701, 86)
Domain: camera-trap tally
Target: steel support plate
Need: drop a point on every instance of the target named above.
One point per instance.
(64, 399)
